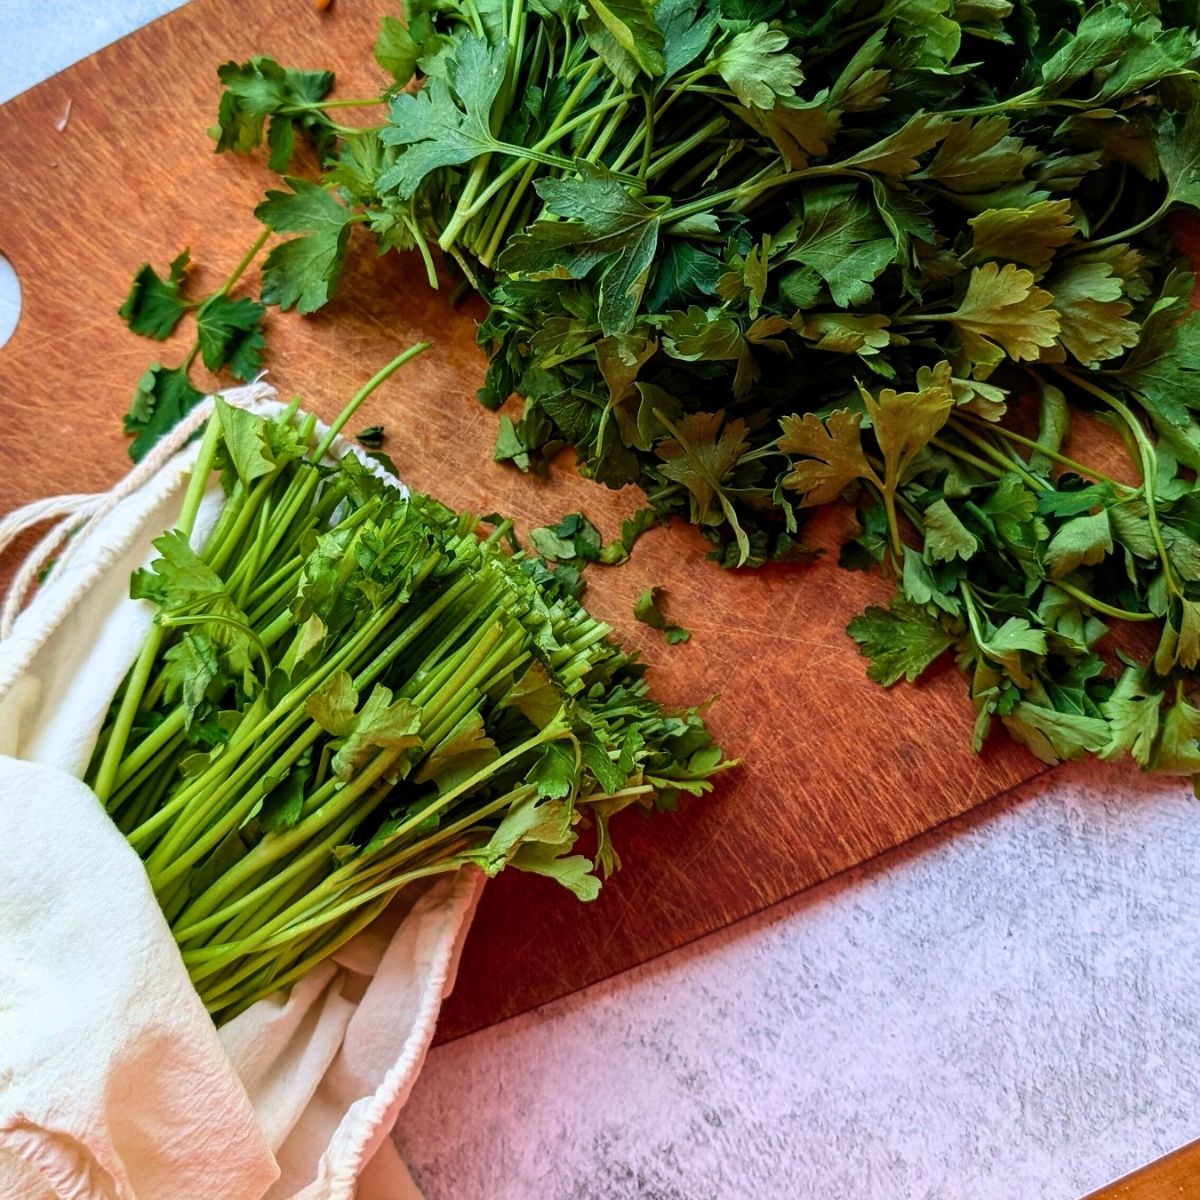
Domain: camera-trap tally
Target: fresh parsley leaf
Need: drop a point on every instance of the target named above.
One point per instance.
(832, 453)
(606, 230)
(648, 609)
(303, 272)
(154, 305)
(230, 331)
(163, 397)
(448, 122)
(901, 641)
(1003, 312)
(261, 88)
(758, 66)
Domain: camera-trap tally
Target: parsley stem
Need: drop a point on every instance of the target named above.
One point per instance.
(244, 263)
(1009, 463)
(972, 614)
(1147, 460)
(349, 102)
(139, 677)
(1109, 610)
(495, 234)
(966, 456)
(339, 423)
(1125, 234)
(680, 88)
(555, 134)
(1078, 467)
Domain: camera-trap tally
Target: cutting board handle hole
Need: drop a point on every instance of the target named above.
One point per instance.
(10, 300)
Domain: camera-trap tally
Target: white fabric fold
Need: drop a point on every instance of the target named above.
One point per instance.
(114, 1083)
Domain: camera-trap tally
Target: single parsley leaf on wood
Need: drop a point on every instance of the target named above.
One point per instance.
(832, 453)
(448, 122)
(163, 397)
(260, 88)
(901, 641)
(573, 537)
(632, 528)
(230, 331)
(606, 230)
(648, 610)
(303, 271)
(758, 67)
(154, 305)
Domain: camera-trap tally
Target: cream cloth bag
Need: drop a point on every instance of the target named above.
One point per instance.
(114, 1083)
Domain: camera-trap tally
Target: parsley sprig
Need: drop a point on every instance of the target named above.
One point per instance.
(347, 689)
(760, 256)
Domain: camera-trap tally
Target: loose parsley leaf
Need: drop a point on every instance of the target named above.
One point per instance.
(901, 641)
(259, 89)
(840, 237)
(230, 331)
(303, 272)
(1029, 236)
(447, 122)
(162, 399)
(1003, 312)
(757, 66)
(648, 610)
(833, 454)
(154, 305)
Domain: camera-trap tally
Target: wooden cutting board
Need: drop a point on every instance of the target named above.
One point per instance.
(836, 769)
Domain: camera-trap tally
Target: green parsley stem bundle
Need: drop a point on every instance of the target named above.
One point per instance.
(346, 690)
(761, 256)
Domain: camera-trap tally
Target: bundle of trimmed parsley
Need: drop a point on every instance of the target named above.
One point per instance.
(759, 256)
(346, 690)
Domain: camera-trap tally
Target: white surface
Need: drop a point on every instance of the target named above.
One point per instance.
(41, 37)
(1006, 1009)
(10, 300)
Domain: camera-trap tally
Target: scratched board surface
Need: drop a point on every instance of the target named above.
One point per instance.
(836, 770)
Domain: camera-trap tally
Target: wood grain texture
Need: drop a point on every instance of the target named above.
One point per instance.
(1176, 1176)
(836, 769)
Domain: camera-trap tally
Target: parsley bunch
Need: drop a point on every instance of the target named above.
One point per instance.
(759, 256)
(346, 690)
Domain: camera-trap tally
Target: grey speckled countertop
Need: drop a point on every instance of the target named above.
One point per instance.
(1007, 1008)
